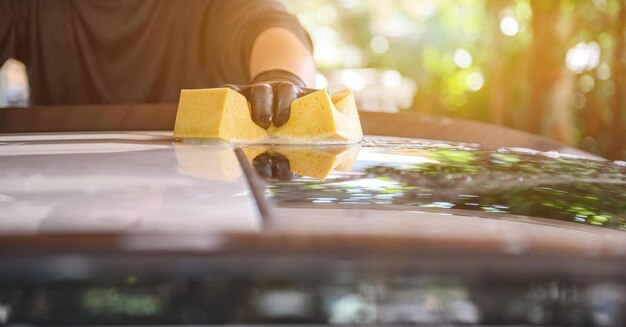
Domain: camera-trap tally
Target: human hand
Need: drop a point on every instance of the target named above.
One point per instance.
(270, 96)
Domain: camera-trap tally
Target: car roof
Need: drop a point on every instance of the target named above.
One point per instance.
(146, 183)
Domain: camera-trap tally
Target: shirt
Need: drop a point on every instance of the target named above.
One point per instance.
(134, 51)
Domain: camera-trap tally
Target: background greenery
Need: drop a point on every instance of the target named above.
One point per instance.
(551, 67)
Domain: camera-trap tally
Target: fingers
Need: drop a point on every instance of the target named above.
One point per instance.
(273, 166)
(271, 103)
(284, 94)
(261, 99)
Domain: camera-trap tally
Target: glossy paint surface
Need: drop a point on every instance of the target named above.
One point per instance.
(501, 183)
(129, 183)
(146, 182)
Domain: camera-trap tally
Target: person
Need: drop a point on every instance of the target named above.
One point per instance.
(136, 51)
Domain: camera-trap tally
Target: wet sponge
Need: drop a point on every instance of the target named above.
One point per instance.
(224, 114)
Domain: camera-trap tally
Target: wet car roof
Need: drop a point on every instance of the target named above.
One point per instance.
(483, 181)
(146, 183)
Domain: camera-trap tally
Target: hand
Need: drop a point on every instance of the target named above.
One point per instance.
(273, 166)
(270, 96)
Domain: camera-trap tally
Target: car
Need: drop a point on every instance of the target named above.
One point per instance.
(421, 223)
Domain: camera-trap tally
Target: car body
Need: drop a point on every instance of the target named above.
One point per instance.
(138, 228)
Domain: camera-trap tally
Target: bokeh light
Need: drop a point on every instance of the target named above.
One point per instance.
(391, 78)
(586, 83)
(352, 80)
(462, 58)
(526, 64)
(379, 44)
(475, 81)
(509, 26)
(583, 56)
(604, 72)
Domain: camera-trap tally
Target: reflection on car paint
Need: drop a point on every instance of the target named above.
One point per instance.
(162, 188)
(310, 161)
(491, 180)
(215, 162)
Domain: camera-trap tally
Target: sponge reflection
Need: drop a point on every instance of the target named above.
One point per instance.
(287, 162)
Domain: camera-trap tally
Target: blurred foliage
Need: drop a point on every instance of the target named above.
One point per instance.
(549, 67)
(110, 301)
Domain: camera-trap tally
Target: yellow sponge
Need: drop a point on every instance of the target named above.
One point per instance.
(215, 113)
(223, 113)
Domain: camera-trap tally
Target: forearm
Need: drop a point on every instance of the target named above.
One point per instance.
(279, 48)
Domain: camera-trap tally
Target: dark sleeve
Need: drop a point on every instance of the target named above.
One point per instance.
(239, 23)
(8, 31)
(14, 30)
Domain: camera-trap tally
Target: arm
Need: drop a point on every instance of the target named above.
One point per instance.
(266, 54)
(279, 48)
(281, 66)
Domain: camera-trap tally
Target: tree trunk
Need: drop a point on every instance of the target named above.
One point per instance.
(618, 103)
(545, 58)
(499, 88)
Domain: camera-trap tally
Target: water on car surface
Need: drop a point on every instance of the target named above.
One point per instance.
(432, 176)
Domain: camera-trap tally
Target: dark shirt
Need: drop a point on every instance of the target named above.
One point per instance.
(134, 51)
